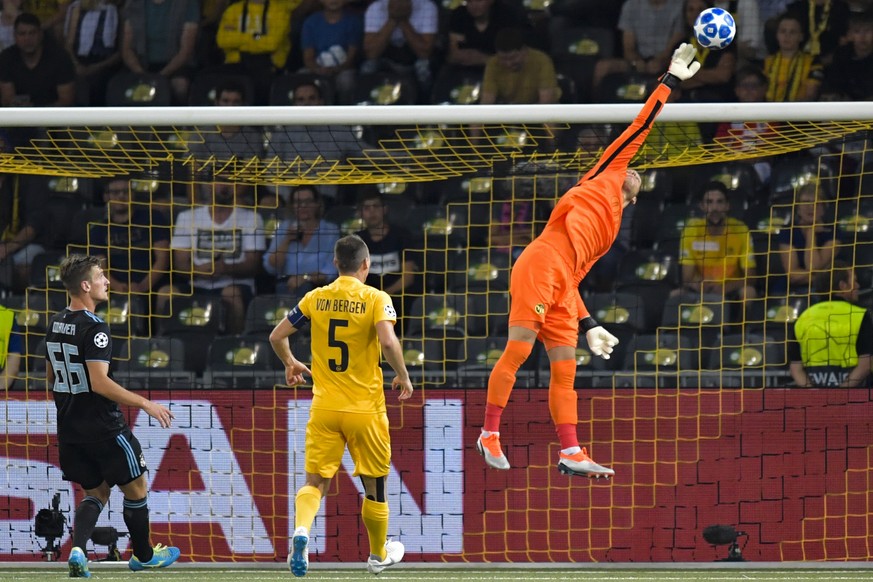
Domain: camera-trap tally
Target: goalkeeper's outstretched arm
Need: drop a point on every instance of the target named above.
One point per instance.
(622, 150)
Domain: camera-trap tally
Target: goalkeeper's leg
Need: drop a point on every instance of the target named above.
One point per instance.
(500, 384)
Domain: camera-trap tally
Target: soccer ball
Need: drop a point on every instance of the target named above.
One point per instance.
(715, 28)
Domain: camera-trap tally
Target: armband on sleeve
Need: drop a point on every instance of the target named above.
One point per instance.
(588, 323)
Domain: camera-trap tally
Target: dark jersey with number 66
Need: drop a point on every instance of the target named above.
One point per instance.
(73, 339)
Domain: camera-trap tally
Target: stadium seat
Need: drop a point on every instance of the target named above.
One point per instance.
(425, 356)
(487, 313)
(576, 49)
(701, 319)
(457, 86)
(241, 362)
(657, 359)
(196, 319)
(264, 312)
(81, 222)
(283, 86)
(442, 318)
(126, 314)
(854, 217)
(149, 363)
(669, 227)
(385, 88)
(345, 216)
(774, 316)
(45, 271)
(618, 309)
(791, 172)
(629, 87)
(204, 87)
(129, 89)
(478, 270)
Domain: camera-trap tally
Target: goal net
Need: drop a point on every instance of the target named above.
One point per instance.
(696, 411)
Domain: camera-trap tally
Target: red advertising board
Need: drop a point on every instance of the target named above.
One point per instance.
(789, 468)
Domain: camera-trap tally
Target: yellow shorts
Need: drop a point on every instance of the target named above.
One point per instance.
(541, 290)
(329, 432)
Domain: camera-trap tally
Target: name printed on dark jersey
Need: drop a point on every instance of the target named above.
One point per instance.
(64, 328)
(340, 306)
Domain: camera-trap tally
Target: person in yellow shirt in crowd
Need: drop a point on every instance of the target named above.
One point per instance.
(255, 36)
(351, 323)
(715, 250)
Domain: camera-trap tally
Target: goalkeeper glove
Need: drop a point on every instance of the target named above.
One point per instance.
(600, 341)
(682, 65)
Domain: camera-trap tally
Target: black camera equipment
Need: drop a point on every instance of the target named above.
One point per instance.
(108, 536)
(50, 523)
(726, 535)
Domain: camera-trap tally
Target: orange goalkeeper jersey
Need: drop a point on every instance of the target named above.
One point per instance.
(585, 222)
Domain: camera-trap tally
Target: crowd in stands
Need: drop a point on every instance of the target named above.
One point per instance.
(235, 242)
(66, 52)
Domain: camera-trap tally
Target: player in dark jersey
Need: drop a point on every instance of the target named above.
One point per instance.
(97, 450)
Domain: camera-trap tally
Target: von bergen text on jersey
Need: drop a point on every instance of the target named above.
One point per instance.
(340, 305)
(64, 328)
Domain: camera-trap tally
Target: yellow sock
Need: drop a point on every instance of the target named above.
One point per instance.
(375, 516)
(306, 506)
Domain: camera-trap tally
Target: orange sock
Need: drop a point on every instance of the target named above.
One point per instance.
(563, 401)
(502, 378)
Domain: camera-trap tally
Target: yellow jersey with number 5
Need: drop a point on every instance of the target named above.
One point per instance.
(346, 354)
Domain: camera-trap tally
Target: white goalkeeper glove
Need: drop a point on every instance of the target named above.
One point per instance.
(600, 341)
(682, 63)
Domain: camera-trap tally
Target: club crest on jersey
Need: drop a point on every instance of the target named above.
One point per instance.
(141, 460)
(389, 311)
(101, 340)
(540, 308)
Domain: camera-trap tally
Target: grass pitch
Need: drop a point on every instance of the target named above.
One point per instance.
(454, 572)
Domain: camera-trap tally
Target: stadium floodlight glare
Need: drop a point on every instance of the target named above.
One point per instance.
(726, 535)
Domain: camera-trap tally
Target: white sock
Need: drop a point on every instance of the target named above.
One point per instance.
(571, 450)
(488, 433)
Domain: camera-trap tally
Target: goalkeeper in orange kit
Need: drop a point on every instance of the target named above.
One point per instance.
(544, 285)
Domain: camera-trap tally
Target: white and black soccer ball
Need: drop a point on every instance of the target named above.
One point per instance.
(332, 57)
(715, 28)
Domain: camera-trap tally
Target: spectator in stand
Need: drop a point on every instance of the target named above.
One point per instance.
(712, 82)
(473, 27)
(832, 341)
(35, 72)
(715, 251)
(11, 348)
(393, 267)
(849, 71)
(134, 242)
(315, 145)
(9, 11)
(824, 24)
(401, 35)
(518, 73)
(239, 142)
(750, 86)
(301, 252)
(25, 228)
(807, 247)
(749, 41)
(208, 53)
(50, 13)
(91, 35)
(793, 74)
(331, 40)
(221, 245)
(646, 28)
(255, 36)
(160, 36)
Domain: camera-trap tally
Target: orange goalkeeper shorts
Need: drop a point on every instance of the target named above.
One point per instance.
(541, 290)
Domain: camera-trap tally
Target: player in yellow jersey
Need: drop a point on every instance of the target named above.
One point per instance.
(349, 321)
